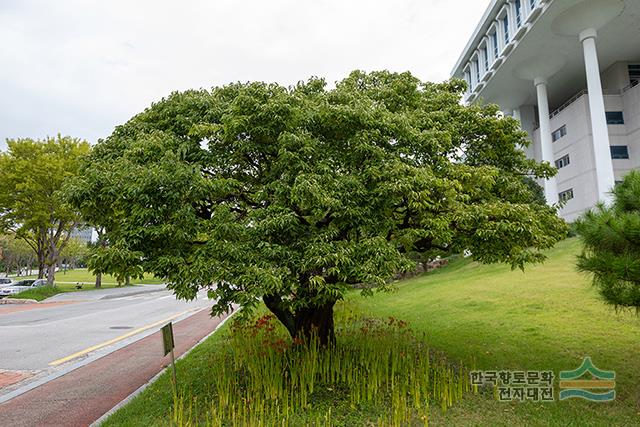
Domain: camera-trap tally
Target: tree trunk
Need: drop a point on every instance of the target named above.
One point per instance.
(127, 281)
(316, 322)
(41, 268)
(98, 280)
(41, 254)
(307, 323)
(51, 274)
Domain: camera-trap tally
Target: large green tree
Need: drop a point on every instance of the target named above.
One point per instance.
(611, 238)
(32, 202)
(294, 195)
(16, 255)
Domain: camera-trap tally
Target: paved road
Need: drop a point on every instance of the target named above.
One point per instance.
(41, 339)
(85, 394)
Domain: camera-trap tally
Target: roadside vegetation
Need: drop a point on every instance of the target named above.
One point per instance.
(68, 280)
(379, 372)
(77, 280)
(38, 294)
(547, 318)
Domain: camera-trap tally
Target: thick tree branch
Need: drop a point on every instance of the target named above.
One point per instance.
(275, 304)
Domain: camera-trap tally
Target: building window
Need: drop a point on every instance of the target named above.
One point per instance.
(559, 133)
(634, 74)
(615, 118)
(532, 3)
(505, 27)
(467, 77)
(476, 68)
(494, 44)
(485, 58)
(566, 195)
(563, 161)
(619, 151)
(518, 13)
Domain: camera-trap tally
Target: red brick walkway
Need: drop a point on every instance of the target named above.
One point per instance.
(8, 378)
(85, 394)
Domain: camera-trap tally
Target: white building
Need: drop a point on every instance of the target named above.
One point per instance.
(569, 71)
(83, 234)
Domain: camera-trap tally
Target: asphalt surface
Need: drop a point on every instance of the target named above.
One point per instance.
(70, 327)
(83, 395)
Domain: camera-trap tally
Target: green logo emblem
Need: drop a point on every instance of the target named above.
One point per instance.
(571, 384)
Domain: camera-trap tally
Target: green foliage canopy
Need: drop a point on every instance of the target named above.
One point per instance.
(295, 194)
(32, 201)
(15, 254)
(611, 238)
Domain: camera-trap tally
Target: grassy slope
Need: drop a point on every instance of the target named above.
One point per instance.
(546, 318)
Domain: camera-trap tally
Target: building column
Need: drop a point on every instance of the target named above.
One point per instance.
(550, 185)
(604, 166)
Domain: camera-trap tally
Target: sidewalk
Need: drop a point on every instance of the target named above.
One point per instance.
(85, 394)
(107, 293)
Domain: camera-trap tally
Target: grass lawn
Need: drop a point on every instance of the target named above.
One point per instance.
(69, 281)
(547, 318)
(82, 275)
(38, 294)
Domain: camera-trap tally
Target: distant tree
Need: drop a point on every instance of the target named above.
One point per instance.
(16, 255)
(611, 238)
(118, 260)
(74, 252)
(32, 203)
(294, 195)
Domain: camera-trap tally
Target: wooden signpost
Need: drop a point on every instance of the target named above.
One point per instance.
(169, 345)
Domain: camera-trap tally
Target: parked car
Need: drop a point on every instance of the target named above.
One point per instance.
(5, 282)
(21, 286)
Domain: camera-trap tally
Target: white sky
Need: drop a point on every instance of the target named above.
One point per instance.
(81, 67)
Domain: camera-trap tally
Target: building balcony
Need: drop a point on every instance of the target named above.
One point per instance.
(508, 48)
(487, 76)
(534, 14)
(496, 63)
(520, 32)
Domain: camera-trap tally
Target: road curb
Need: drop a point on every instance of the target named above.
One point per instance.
(126, 294)
(140, 389)
(17, 301)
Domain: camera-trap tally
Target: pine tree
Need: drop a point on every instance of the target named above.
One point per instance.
(611, 238)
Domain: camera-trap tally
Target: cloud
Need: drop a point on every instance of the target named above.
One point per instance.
(81, 67)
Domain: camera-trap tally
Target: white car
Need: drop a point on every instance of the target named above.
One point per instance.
(21, 286)
(5, 282)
